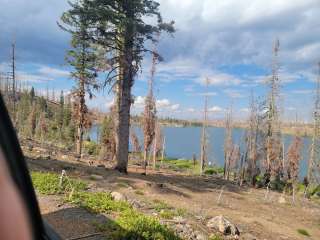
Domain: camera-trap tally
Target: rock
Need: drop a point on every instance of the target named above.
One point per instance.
(96, 177)
(101, 166)
(200, 236)
(118, 196)
(282, 200)
(223, 225)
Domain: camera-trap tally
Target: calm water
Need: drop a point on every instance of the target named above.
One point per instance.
(184, 142)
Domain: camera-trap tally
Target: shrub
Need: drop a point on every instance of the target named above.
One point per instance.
(91, 148)
(49, 183)
(139, 226)
(303, 232)
(98, 202)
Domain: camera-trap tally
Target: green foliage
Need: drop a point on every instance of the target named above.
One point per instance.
(180, 164)
(160, 205)
(215, 237)
(213, 170)
(49, 183)
(92, 148)
(139, 192)
(303, 232)
(139, 226)
(98, 202)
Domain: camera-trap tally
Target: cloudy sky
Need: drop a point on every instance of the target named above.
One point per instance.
(228, 41)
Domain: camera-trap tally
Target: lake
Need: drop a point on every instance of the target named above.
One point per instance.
(183, 142)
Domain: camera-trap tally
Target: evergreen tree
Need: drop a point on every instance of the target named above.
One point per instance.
(82, 58)
(122, 30)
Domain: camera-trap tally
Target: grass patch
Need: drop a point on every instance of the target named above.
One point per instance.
(98, 202)
(215, 237)
(160, 205)
(49, 183)
(303, 232)
(213, 170)
(139, 226)
(139, 192)
(123, 185)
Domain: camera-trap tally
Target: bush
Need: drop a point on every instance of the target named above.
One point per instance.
(139, 226)
(98, 202)
(49, 183)
(303, 232)
(91, 148)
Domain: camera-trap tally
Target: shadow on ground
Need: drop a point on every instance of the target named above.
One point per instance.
(169, 183)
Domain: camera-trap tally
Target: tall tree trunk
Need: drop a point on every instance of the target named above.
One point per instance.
(123, 128)
(81, 109)
(123, 105)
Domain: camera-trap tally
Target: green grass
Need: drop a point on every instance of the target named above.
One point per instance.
(139, 226)
(130, 224)
(167, 212)
(215, 237)
(49, 183)
(139, 192)
(213, 170)
(303, 232)
(98, 202)
(160, 205)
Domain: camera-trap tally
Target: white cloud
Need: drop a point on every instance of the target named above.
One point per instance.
(234, 93)
(220, 79)
(139, 102)
(191, 110)
(245, 110)
(53, 72)
(34, 78)
(216, 109)
(175, 107)
(162, 103)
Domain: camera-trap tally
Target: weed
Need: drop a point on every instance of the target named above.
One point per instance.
(98, 202)
(303, 232)
(139, 226)
(49, 183)
(139, 192)
(215, 237)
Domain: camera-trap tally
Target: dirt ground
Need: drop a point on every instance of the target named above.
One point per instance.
(203, 197)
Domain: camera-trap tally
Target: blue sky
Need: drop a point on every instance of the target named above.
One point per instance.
(228, 41)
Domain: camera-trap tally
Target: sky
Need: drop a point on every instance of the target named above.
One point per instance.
(227, 41)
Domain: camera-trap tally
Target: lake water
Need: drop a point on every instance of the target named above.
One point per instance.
(183, 142)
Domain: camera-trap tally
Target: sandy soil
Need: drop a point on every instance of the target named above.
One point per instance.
(202, 197)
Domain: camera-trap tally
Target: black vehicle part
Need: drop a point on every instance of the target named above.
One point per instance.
(18, 169)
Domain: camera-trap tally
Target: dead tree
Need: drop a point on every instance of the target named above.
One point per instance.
(314, 161)
(204, 134)
(252, 141)
(157, 144)
(135, 142)
(294, 158)
(273, 145)
(228, 144)
(149, 116)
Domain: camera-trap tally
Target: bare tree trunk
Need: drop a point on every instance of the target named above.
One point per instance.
(81, 110)
(155, 151)
(123, 125)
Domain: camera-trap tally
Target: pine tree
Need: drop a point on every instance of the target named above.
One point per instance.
(122, 31)
(82, 58)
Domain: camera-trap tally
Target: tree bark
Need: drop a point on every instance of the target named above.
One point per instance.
(79, 137)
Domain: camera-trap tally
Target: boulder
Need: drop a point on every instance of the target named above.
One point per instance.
(118, 196)
(223, 225)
